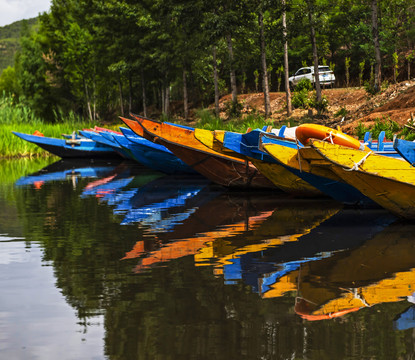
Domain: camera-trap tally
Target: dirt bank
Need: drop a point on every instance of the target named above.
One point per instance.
(396, 103)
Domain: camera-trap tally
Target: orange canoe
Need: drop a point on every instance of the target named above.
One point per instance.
(221, 169)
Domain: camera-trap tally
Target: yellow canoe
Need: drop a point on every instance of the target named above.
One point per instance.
(280, 176)
(388, 181)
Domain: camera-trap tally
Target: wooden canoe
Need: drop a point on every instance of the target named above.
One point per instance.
(302, 162)
(225, 170)
(70, 148)
(387, 181)
(246, 145)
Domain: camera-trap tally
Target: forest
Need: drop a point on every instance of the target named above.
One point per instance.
(101, 59)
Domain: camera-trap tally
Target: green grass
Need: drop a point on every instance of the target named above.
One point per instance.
(206, 120)
(16, 117)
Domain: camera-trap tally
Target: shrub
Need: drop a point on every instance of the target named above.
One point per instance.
(321, 106)
(233, 109)
(342, 112)
(300, 99)
(304, 84)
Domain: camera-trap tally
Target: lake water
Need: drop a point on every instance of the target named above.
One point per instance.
(106, 260)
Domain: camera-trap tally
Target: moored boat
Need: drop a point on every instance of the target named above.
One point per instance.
(69, 148)
(387, 181)
(225, 170)
(246, 145)
(152, 155)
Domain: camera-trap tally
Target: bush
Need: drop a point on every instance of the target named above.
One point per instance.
(321, 106)
(233, 109)
(390, 128)
(342, 112)
(300, 99)
(304, 84)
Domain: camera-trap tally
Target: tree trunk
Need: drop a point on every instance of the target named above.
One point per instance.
(121, 100)
(167, 100)
(232, 70)
(130, 93)
(185, 99)
(163, 100)
(375, 34)
(267, 104)
(94, 115)
(88, 104)
(314, 45)
(143, 88)
(216, 82)
(286, 70)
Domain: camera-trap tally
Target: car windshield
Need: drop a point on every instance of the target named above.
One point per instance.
(323, 68)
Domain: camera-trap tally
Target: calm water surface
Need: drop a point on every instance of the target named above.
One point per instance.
(106, 260)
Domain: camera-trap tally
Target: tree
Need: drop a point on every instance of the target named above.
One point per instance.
(310, 5)
(8, 82)
(375, 34)
(286, 70)
(267, 104)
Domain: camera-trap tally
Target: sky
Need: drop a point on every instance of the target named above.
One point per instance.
(14, 10)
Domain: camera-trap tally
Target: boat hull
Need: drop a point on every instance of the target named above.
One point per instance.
(221, 169)
(387, 181)
(70, 148)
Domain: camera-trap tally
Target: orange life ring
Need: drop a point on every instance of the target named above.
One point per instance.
(313, 131)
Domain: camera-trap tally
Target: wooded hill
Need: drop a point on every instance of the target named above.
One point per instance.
(10, 41)
(103, 59)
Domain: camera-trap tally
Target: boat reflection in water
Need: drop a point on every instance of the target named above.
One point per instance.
(160, 205)
(69, 169)
(380, 270)
(406, 320)
(233, 224)
(309, 235)
(120, 184)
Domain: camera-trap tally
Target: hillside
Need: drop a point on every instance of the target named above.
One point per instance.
(10, 41)
(396, 103)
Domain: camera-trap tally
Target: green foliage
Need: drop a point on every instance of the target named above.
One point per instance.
(10, 40)
(361, 70)
(300, 99)
(342, 112)
(347, 66)
(20, 118)
(360, 130)
(370, 87)
(304, 84)
(321, 106)
(395, 59)
(8, 82)
(206, 120)
(390, 127)
(233, 109)
(86, 56)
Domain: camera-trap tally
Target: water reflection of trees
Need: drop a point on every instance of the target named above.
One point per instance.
(181, 311)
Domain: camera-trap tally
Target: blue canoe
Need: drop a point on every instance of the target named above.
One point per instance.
(154, 156)
(70, 148)
(100, 138)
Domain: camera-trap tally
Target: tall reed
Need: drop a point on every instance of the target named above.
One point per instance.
(20, 118)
